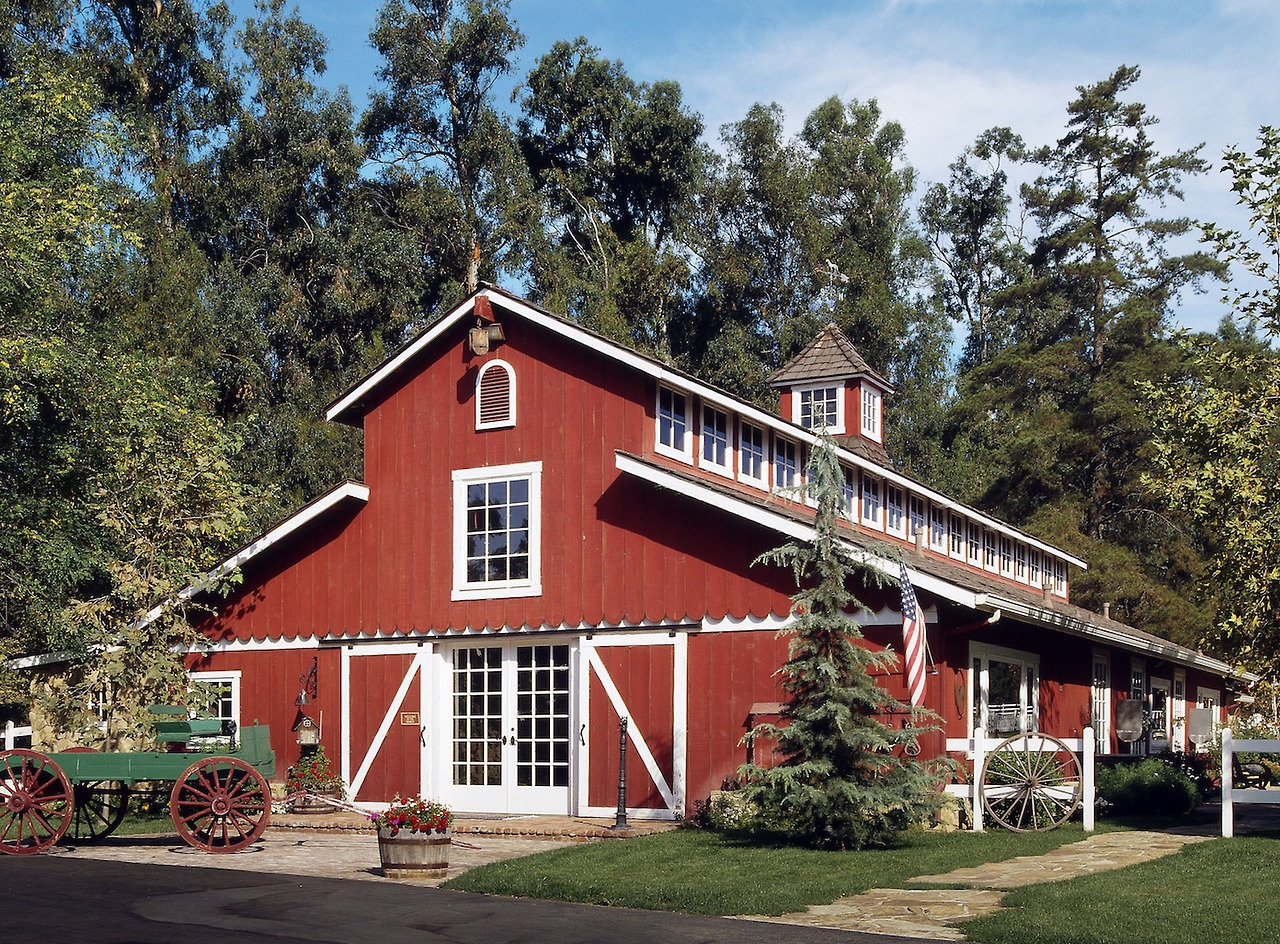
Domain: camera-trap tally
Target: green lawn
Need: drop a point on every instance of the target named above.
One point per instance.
(708, 873)
(1216, 892)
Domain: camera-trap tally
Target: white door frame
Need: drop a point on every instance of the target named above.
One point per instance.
(673, 793)
(356, 769)
(1160, 739)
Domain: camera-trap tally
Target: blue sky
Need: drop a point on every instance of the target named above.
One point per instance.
(944, 69)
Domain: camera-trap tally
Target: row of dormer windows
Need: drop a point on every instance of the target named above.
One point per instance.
(737, 449)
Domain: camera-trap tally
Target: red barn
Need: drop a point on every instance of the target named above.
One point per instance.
(556, 532)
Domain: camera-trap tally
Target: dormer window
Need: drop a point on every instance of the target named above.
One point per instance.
(819, 409)
(871, 412)
(675, 438)
(717, 446)
(496, 396)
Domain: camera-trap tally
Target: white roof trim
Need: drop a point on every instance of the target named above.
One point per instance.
(785, 524)
(1104, 634)
(673, 378)
(298, 519)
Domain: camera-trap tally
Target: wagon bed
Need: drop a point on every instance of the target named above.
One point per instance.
(219, 802)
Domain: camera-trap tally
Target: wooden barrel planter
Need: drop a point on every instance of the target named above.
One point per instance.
(409, 854)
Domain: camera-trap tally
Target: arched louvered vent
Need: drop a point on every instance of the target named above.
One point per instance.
(496, 396)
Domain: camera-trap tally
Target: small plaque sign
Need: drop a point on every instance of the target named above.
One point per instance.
(1200, 729)
(409, 718)
(1129, 720)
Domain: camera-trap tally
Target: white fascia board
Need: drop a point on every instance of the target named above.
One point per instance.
(303, 516)
(768, 420)
(786, 525)
(389, 367)
(1105, 634)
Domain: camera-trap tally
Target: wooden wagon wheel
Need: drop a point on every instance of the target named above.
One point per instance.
(100, 807)
(1031, 782)
(35, 802)
(220, 804)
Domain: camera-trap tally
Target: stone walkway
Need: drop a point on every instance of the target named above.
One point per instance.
(931, 914)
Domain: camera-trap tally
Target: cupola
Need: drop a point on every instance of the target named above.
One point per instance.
(829, 386)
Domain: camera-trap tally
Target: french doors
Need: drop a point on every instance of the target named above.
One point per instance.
(510, 745)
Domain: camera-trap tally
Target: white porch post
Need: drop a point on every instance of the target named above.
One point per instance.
(1228, 814)
(1087, 759)
(979, 761)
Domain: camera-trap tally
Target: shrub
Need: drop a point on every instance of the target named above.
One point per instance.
(1150, 786)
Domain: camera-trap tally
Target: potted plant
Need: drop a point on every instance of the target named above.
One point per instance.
(311, 775)
(414, 837)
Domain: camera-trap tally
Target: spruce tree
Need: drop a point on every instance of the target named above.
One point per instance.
(845, 780)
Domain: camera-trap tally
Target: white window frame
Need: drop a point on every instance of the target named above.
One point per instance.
(938, 528)
(746, 432)
(973, 542)
(510, 419)
(779, 444)
(917, 515)
(895, 513)
(1035, 569)
(1100, 700)
(530, 586)
(1029, 689)
(872, 425)
(684, 450)
(849, 494)
(1059, 577)
(990, 553)
(706, 461)
(1020, 562)
(872, 505)
(956, 536)
(798, 399)
(226, 677)
(1005, 547)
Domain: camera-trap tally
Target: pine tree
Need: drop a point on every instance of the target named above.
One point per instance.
(845, 780)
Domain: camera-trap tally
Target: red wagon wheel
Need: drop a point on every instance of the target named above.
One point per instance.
(35, 802)
(220, 804)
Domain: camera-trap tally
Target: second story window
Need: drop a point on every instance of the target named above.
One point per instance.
(717, 448)
(752, 465)
(871, 502)
(786, 464)
(915, 515)
(674, 437)
(496, 531)
(849, 494)
(937, 529)
(956, 531)
(818, 408)
(894, 516)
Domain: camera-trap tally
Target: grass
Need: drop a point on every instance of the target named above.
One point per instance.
(1215, 892)
(703, 872)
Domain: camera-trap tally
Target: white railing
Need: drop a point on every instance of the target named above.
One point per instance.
(13, 734)
(1231, 795)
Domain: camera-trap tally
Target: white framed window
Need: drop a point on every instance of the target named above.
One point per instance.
(916, 513)
(786, 463)
(973, 543)
(990, 558)
(818, 408)
(871, 502)
(753, 468)
(1060, 577)
(1006, 556)
(674, 435)
(1100, 701)
(895, 518)
(717, 441)
(1035, 575)
(217, 695)
(849, 494)
(1020, 563)
(956, 533)
(871, 406)
(496, 396)
(497, 531)
(938, 529)
(1004, 691)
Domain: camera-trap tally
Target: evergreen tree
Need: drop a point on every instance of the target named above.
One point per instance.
(844, 781)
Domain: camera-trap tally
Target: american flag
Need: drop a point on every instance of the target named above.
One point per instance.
(913, 641)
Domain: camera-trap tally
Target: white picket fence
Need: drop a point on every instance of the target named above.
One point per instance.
(1230, 794)
(13, 734)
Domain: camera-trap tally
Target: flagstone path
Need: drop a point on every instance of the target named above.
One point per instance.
(930, 913)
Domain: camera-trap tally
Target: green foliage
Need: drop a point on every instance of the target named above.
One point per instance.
(844, 781)
(1149, 787)
(1218, 425)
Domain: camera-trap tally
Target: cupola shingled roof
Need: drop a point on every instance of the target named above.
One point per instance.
(829, 356)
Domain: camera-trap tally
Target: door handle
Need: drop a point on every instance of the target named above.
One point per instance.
(582, 735)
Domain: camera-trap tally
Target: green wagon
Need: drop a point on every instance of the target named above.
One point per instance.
(219, 802)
